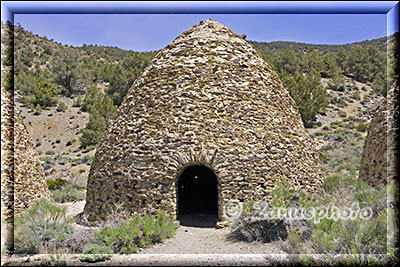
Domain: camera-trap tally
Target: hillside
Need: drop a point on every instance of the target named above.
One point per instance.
(380, 43)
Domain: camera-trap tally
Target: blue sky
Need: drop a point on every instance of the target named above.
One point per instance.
(145, 32)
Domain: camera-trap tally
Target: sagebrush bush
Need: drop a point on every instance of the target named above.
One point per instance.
(323, 157)
(256, 224)
(37, 110)
(331, 183)
(138, 232)
(50, 152)
(350, 236)
(95, 253)
(39, 227)
(68, 193)
(252, 226)
(61, 107)
(342, 114)
(56, 259)
(78, 102)
(294, 241)
(362, 127)
(55, 183)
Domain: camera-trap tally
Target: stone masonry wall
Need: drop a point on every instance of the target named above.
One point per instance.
(378, 161)
(22, 175)
(207, 98)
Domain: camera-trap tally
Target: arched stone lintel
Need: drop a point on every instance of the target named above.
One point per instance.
(181, 161)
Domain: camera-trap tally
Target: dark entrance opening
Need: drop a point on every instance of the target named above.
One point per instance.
(198, 197)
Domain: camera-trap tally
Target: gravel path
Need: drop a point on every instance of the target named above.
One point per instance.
(196, 240)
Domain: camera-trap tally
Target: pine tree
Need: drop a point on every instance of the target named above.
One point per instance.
(101, 110)
(308, 93)
(94, 130)
(337, 82)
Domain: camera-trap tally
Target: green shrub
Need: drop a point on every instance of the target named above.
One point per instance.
(56, 183)
(38, 110)
(349, 125)
(58, 157)
(362, 127)
(326, 148)
(337, 82)
(39, 227)
(334, 124)
(342, 114)
(282, 194)
(254, 227)
(88, 159)
(78, 102)
(339, 124)
(350, 236)
(46, 159)
(140, 231)
(331, 183)
(50, 152)
(294, 241)
(68, 193)
(352, 166)
(54, 260)
(339, 137)
(61, 107)
(323, 157)
(101, 109)
(95, 253)
(319, 133)
(93, 130)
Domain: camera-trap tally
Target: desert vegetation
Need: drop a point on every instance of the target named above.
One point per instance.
(46, 228)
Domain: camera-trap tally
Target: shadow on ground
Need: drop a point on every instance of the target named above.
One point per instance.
(202, 220)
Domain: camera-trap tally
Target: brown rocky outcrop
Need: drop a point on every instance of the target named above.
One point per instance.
(209, 99)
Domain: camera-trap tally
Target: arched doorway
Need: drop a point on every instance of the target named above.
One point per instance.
(197, 197)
